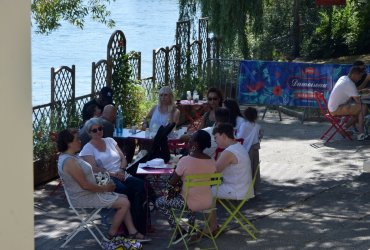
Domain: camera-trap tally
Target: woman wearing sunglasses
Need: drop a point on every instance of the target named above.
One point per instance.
(104, 155)
(79, 182)
(215, 99)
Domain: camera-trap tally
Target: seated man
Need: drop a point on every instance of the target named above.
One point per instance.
(105, 98)
(344, 99)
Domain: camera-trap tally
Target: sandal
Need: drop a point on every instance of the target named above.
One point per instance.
(136, 236)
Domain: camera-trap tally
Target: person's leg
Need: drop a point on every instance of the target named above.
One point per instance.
(137, 198)
(121, 205)
(164, 205)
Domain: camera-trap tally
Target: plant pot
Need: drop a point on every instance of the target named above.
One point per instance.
(44, 170)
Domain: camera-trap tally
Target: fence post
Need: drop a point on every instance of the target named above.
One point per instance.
(166, 67)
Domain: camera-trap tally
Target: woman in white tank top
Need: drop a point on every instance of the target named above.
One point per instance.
(164, 112)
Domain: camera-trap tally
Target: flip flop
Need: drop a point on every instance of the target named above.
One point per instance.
(134, 236)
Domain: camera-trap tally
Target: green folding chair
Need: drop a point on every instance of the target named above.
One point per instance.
(234, 211)
(199, 180)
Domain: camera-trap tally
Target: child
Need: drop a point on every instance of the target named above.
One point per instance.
(252, 134)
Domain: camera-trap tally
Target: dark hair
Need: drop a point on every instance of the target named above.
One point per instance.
(218, 93)
(65, 137)
(233, 107)
(89, 112)
(250, 114)
(202, 138)
(358, 63)
(224, 128)
(356, 70)
(222, 114)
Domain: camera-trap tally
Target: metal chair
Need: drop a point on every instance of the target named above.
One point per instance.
(337, 122)
(234, 211)
(191, 181)
(86, 222)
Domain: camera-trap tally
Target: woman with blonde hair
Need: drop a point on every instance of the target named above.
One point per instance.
(164, 112)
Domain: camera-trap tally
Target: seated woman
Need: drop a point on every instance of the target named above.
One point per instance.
(235, 166)
(236, 118)
(199, 198)
(214, 97)
(252, 133)
(104, 155)
(164, 112)
(80, 184)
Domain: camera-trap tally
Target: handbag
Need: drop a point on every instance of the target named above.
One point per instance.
(121, 243)
(173, 190)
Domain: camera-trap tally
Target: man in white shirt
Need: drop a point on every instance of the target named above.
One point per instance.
(344, 99)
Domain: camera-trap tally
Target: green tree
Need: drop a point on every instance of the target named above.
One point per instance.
(48, 14)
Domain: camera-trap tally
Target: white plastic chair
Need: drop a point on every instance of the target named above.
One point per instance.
(87, 222)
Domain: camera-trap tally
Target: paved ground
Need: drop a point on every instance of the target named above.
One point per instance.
(313, 196)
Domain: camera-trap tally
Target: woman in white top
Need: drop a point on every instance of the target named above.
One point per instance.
(164, 112)
(80, 184)
(104, 155)
(234, 164)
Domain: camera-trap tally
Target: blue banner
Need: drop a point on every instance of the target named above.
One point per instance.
(286, 83)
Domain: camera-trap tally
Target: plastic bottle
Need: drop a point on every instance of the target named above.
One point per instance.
(119, 120)
(195, 96)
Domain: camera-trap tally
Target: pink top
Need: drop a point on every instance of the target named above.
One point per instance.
(199, 198)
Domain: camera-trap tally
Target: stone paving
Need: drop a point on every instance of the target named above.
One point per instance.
(313, 196)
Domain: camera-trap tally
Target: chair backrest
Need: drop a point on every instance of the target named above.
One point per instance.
(202, 180)
(251, 186)
(321, 102)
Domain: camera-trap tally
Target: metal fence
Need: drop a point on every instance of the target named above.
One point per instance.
(171, 66)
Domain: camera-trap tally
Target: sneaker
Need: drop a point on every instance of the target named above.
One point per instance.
(361, 137)
(180, 237)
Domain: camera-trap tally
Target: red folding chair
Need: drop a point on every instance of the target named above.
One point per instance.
(337, 122)
(219, 150)
(175, 145)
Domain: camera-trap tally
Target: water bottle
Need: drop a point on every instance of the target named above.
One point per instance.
(195, 96)
(119, 120)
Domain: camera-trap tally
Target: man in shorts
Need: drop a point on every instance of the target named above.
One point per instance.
(344, 99)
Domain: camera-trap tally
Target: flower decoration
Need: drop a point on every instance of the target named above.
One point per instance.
(277, 90)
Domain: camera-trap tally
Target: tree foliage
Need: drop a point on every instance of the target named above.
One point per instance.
(285, 29)
(47, 15)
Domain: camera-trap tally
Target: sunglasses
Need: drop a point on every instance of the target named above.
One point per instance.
(95, 130)
(213, 99)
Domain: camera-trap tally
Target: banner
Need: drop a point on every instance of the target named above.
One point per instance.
(286, 83)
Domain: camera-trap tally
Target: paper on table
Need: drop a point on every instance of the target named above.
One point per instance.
(144, 165)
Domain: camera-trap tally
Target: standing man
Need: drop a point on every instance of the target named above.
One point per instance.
(344, 99)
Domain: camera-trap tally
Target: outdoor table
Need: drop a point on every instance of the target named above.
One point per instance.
(156, 174)
(192, 111)
(145, 140)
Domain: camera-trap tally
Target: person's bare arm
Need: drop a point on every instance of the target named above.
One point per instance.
(357, 99)
(176, 116)
(225, 160)
(72, 168)
(91, 160)
(365, 82)
(174, 179)
(147, 118)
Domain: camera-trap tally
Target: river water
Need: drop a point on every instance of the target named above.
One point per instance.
(147, 24)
